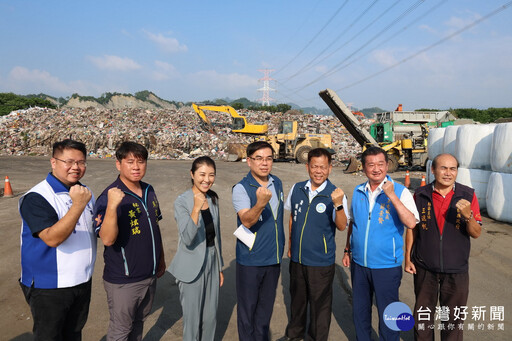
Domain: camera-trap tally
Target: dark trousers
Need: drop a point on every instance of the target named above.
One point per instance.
(256, 293)
(452, 291)
(58, 314)
(365, 282)
(313, 285)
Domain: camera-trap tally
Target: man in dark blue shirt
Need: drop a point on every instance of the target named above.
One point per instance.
(127, 215)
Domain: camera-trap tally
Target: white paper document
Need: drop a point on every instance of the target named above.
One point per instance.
(245, 235)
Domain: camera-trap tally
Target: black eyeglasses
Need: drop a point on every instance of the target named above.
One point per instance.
(71, 163)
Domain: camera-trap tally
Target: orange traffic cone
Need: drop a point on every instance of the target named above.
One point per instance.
(423, 182)
(407, 181)
(8, 188)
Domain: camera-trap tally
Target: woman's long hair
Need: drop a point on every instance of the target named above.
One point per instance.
(205, 160)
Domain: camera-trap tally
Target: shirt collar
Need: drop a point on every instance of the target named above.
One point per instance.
(367, 187)
(57, 185)
(319, 189)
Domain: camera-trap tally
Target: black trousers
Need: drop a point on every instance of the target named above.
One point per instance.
(256, 293)
(58, 314)
(452, 291)
(310, 285)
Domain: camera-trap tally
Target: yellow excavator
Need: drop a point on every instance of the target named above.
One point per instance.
(239, 125)
(288, 143)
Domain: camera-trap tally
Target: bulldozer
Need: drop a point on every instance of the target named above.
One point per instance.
(288, 143)
(403, 135)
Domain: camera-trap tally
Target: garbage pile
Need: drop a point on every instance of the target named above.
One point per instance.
(167, 134)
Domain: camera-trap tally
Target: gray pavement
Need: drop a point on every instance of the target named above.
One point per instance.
(490, 262)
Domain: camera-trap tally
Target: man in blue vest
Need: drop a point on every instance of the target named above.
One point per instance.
(317, 210)
(437, 251)
(258, 200)
(380, 210)
(58, 246)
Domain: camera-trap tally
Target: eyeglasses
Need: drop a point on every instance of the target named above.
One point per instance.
(70, 163)
(260, 159)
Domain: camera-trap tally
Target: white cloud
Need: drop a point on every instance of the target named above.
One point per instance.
(223, 82)
(22, 78)
(164, 71)
(383, 57)
(114, 63)
(167, 44)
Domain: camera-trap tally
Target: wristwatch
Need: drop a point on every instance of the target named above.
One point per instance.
(339, 207)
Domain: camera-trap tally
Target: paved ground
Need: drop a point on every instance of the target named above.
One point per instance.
(490, 263)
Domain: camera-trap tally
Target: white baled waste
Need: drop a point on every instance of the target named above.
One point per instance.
(429, 177)
(499, 196)
(450, 136)
(473, 146)
(477, 179)
(501, 153)
(435, 142)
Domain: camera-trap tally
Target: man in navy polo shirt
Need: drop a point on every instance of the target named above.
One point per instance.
(58, 246)
(127, 215)
(258, 200)
(317, 209)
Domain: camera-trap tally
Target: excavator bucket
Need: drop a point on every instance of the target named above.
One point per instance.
(353, 166)
(236, 151)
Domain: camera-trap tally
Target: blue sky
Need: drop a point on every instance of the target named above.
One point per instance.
(373, 53)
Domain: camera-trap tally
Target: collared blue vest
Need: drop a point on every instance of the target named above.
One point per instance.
(377, 236)
(313, 228)
(269, 243)
(72, 262)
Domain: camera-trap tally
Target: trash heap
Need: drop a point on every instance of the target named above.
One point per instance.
(167, 134)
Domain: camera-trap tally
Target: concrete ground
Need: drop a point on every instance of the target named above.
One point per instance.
(490, 262)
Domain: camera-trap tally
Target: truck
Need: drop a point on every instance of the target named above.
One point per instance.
(402, 134)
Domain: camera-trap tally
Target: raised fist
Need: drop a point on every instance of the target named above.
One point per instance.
(337, 197)
(115, 196)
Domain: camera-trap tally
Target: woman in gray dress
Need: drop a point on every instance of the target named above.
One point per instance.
(197, 265)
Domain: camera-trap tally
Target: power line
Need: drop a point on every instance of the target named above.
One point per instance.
(335, 67)
(314, 37)
(306, 67)
(448, 37)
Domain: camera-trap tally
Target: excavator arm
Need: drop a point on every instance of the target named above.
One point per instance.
(240, 124)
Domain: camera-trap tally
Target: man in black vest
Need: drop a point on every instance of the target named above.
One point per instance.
(437, 251)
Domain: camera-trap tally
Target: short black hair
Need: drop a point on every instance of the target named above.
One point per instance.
(319, 152)
(434, 162)
(208, 161)
(59, 147)
(257, 145)
(128, 147)
(373, 151)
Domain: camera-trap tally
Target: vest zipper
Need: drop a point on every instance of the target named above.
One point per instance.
(150, 227)
(255, 233)
(366, 239)
(126, 272)
(394, 255)
(325, 244)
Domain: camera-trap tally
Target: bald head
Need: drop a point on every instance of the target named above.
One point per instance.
(445, 169)
(444, 157)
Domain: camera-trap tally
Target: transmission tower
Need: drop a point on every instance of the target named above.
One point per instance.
(265, 98)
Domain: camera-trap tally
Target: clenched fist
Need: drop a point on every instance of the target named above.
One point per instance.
(115, 196)
(464, 207)
(388, 188)
(337, 197)
(263, 195)
(80, 195)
